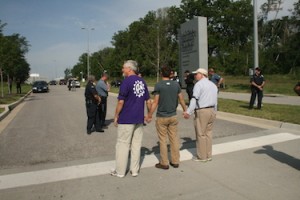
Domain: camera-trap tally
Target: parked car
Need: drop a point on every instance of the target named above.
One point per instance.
(40, 86)
(62, 82)
(53, 82)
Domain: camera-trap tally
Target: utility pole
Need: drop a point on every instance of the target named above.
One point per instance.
(88, 48)
(158, 55)
(255, 35)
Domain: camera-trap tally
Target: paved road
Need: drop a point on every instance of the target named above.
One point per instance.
(47, 155)
(50, 128)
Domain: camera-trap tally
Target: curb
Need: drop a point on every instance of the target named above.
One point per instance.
(11, 106)
(257, 122)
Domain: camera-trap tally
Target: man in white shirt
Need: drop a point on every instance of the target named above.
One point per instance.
(204, 105)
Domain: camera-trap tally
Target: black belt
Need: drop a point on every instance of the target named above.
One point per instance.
(89, 101)
(205, 107)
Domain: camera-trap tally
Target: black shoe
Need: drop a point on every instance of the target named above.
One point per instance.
(89, 132)
(160, 166)
(174, 165)
(101, 130)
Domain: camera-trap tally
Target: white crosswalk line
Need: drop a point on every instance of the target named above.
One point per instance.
(96, 169)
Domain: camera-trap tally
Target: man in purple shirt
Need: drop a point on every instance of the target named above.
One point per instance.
(129, 118)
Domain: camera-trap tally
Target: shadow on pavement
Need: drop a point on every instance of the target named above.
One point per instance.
(280, 156)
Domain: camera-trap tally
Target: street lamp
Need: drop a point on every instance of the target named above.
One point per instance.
(88, 48)
(255, 35)
(81, 76)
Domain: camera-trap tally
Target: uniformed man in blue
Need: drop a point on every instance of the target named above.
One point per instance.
(92, 100)
(257, 82)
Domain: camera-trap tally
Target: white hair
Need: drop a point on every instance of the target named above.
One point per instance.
(131, 64)
(91, 78)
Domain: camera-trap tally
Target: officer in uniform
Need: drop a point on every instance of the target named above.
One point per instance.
(189, 81)
(92, 100)
(257, 82)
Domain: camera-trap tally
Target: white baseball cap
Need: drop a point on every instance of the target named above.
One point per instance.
(201, 71)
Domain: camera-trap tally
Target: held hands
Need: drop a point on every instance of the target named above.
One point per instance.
(148, 118)
(186, 115)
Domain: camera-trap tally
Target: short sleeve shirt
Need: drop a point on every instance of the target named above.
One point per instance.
(101, 88)
(215, 78)
(134, 92)
(90, 91)
(168, 91)
(257, 79)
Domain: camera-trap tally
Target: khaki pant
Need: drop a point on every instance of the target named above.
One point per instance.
(203, 122)
(129, 138)
(167, 128)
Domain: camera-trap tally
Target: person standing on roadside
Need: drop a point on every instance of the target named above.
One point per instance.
(92, 100)
(102, 89)
(204, 106)
(19, 90)
(257, 82)
(215, 78)
(189, 81)
(129, 119)
(9, 82)
(167, 93)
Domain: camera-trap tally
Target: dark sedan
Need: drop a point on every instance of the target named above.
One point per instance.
(40, 86)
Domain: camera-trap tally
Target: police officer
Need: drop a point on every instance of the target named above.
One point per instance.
(189, 81)
(92, 100)
(257, 82)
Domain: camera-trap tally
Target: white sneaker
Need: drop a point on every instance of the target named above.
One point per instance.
(114, 173)
(134, 174)
(195, 158)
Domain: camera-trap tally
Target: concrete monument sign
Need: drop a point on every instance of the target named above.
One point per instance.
(193, 46)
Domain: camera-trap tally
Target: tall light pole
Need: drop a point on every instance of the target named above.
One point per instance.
(88, 48)
(158, 54)
(255, 35)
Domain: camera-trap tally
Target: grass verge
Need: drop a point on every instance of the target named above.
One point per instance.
(283, 113)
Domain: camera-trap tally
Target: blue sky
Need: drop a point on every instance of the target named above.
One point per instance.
(53, 27)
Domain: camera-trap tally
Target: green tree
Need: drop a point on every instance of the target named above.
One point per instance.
(12, 55)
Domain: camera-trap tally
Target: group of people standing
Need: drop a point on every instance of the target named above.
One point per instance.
(190, 81)
(129, 118)
(257, 83)
(18, 86)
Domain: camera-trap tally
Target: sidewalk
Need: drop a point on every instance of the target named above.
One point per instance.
(268, 98)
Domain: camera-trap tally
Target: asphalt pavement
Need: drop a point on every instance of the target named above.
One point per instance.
(256, 159)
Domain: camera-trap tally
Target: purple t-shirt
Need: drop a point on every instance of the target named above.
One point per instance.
(134, 92)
